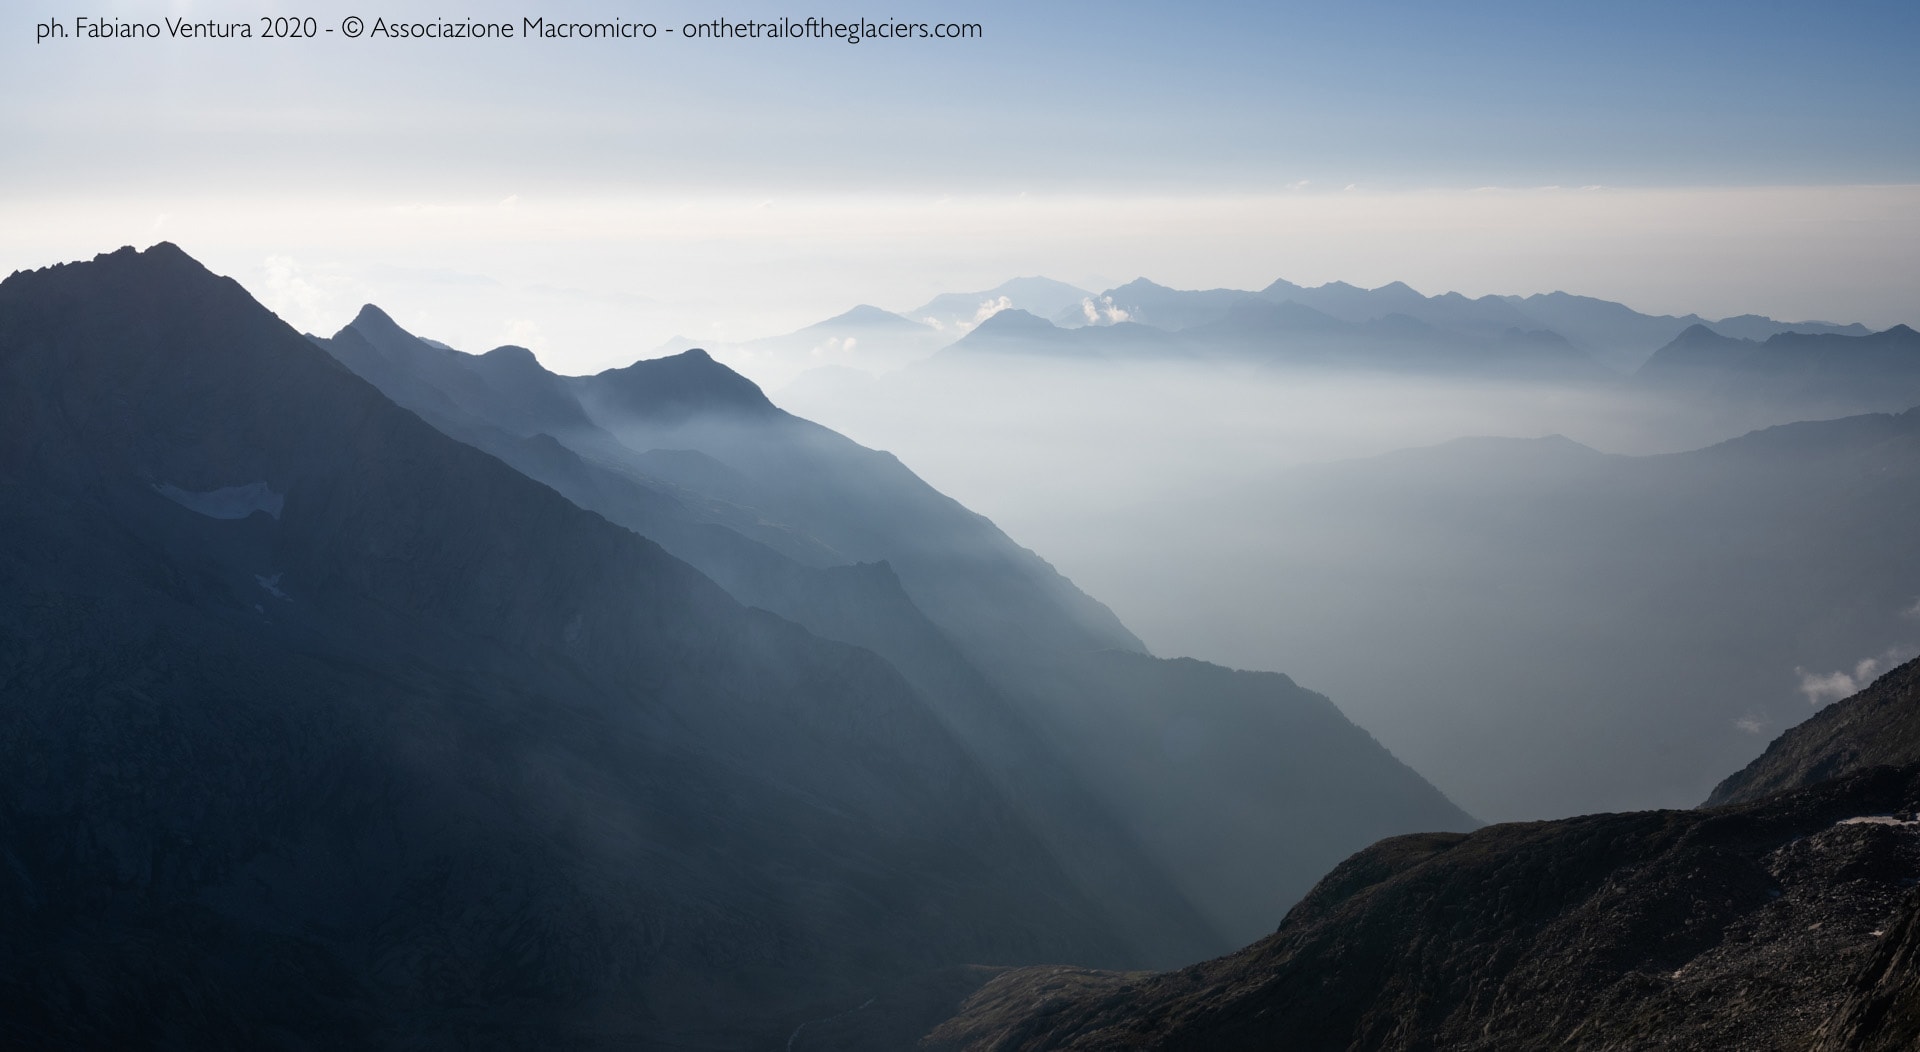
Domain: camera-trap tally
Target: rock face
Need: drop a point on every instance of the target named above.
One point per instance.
(1782, 924)
(319, 728)
(1878, 726)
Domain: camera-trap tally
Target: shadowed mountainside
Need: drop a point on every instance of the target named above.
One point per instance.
(1018, 662)
(321, 728)
(1786, 924)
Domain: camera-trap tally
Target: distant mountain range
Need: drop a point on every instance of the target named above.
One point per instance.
(956, 312)
(1808, 374)
(460, 704)
(1392, 328)
(852, 545)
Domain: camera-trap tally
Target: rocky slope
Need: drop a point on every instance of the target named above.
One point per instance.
(1784, 915)
(1879, 726)
(1784, 924)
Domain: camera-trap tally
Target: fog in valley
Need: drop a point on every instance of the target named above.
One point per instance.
(1571, 612)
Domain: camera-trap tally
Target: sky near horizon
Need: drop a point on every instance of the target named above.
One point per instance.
(592, 199)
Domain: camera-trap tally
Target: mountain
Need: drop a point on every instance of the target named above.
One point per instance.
(1133, 770)
(1246, 329)
(1783, 916)
(1811, 374)
(1019, 334)
(957, 312)
(865, 339)
(1570, 630)
(1290, 334)
(320, 727)
(1613, 333)
(1878, 727)
(1143, 302)
(1784, 924)
(1335, 326)
(1760, 327)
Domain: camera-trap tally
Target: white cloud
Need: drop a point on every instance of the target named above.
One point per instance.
(989, 308)
(1103, 311)
(522, 332)
(1823, 687)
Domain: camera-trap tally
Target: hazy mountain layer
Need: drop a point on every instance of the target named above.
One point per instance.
(1176, 782)
(1247, 328)
(1811, 375)
(767, 563)
(1545, 629)
(317, 727)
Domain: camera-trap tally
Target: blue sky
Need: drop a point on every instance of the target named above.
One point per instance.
(242, 149)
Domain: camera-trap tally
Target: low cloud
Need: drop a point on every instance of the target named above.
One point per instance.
(1821, 688)
(1751, 724)
(522, 332)
(1103, 311)
(989, 308)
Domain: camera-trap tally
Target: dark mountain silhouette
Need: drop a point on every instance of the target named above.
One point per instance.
(689, 502)
(323, 728)
(1812, 374)
(1878, 727)
(1783, 920)
(1780, 924)
(1112, 769)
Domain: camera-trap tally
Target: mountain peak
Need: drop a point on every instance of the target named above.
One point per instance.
(376, 325)
(513, 354)
(676, 387)
(868, 314)
(1699, 332)
(1012, 324)
(372, 315)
